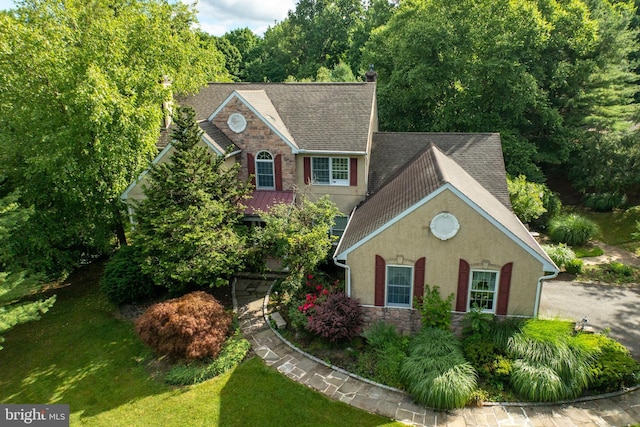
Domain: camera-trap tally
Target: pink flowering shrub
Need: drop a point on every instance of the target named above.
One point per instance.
(312, 293)
(337, 318)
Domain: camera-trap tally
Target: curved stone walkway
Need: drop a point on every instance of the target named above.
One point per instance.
(249, 301)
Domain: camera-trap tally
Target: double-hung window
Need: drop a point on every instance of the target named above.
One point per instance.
(399, 280)
(482, 292)
(264, 171)
(330, 170)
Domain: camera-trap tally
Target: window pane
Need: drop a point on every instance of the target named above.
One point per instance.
(340, 169)
(320, 167)
(483, 290)
(340, 225)
(399, 286)
(264, 174)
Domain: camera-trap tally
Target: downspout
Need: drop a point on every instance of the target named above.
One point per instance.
(346, 267)
(553, 275)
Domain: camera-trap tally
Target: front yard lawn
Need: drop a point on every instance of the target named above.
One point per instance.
(80, 354)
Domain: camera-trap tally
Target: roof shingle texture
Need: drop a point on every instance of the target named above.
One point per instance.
(319, 116)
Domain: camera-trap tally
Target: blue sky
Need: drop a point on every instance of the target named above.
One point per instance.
(219, 16)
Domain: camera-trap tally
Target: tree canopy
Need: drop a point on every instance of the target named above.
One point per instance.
(542, 73)
(81, 102)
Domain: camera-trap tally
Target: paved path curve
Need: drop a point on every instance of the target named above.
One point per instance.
(249, 299)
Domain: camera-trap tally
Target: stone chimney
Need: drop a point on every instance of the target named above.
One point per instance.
(371, 75)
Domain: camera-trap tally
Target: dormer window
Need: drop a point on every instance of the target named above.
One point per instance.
(330, 170)
(265, 179)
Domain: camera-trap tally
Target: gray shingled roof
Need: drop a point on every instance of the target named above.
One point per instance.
(479, 154)
(217, 136)
(430, 170)
(319, 116)
(212, 131)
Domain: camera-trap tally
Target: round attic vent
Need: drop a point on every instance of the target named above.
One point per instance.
(237, 122)
(444, 226)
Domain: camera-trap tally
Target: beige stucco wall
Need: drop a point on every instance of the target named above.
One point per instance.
(480, 243)
(345, 197)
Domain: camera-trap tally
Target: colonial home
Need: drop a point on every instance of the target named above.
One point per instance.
(419, 208)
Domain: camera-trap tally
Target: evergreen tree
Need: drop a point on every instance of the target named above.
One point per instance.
(188, 226)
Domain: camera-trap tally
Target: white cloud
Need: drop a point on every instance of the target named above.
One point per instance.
(219, 16)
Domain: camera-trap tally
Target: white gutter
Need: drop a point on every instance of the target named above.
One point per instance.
(346, 267)
(332, 152)
(536, 308)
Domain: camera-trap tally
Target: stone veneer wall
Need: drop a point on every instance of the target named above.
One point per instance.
(406, 321)
(257, 137)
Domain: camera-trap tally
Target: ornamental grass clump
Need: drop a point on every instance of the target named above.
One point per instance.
(572, 229)
(550, 364)
(436, 372)
(194, 326)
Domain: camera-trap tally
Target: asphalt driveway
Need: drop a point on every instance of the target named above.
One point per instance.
(615, 307)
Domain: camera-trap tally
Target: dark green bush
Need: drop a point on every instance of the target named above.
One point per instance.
(481, 353)
(435, 312)
(620, 269)
(382, 335)
(574, 266)
(233, 352)
(123, 281)
(435, 372)
(552, 204)
(613, 368)
(572, 229)
(604, 202)
(476, 322)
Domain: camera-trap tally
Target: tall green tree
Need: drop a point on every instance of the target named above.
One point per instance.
(188, 226)
(539, 72)
(81, 102)
(300, 234)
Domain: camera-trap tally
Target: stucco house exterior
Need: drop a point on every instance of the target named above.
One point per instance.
(418, 208)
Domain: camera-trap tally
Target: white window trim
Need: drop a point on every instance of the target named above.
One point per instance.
(386, 287)
(495, 292)
(273, 171)
(338, 182)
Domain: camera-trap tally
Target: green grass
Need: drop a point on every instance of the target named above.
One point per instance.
(616, 227)
(81, 355)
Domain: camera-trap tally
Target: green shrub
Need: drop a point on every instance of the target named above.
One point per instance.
(233, 352)
(480, 352)
(553, 206)
(613, 368)
(382, 335)
(123, 281)
(604, 202)
(476, 322)
(560, 254)
(526, 198)
(434, 311)
(435, 372)
(572, 229)
(620, 269)
(574, 266)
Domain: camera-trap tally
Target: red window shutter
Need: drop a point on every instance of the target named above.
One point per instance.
(251, 167)
(353, 171)
(418, 277)
(277, 164)
(464, 270)
(503, 289)
(307, 170)
(381, 268)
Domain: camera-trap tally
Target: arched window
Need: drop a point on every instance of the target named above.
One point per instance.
(264, 171)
